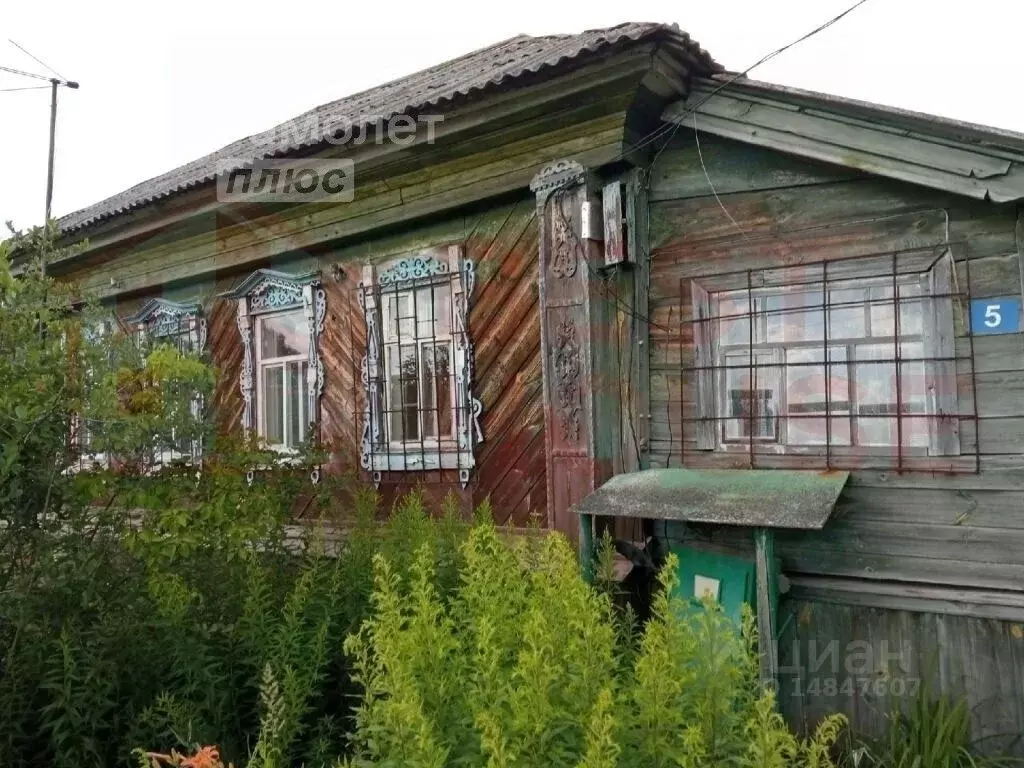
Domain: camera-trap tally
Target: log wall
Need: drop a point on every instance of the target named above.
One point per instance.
(928, 563)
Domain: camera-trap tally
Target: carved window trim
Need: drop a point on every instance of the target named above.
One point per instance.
(268, 292)
(445, 265)
(183, 326)
(172, 321)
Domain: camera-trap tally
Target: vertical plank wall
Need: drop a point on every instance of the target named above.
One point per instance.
(504, 326)
(904, 552)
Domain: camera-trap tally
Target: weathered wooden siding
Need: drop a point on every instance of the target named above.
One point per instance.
(504, 323)
(868, 661)
(224, 346)
(504, 326)
(927, 563)
(341, 349)
(963, 529)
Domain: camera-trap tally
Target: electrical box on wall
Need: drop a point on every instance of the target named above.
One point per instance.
(615, 251)
(590, 221)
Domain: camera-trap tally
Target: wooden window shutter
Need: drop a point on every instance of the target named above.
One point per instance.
(705, 345)
(940, 349)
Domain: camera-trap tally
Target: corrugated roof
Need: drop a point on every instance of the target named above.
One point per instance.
(498, 66)
(968, 159)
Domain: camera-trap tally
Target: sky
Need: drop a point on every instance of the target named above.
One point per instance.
(165, 83)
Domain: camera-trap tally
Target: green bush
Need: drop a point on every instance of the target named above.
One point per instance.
(520, 666)
(194, 625)
(930, 732)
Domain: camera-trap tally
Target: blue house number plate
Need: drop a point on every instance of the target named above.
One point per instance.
(995, 316)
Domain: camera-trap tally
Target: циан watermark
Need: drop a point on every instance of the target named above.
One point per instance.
(857, 669)
(286, 180)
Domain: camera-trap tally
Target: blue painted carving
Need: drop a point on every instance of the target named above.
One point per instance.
(266, 291)
(412, 268)
(410, 272)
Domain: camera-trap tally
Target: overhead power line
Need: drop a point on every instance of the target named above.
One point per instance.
(55, 83)
(36, 59)
(671, 131)
(690, 110)
(25, 88)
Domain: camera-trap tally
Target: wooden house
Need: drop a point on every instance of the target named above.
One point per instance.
(609, 255)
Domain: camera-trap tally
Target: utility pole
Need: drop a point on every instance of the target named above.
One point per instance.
(53, 135)
(55, 82)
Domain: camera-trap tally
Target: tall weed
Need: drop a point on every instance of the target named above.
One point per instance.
(520, 667)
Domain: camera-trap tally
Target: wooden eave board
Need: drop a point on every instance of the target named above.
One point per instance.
(885, 147)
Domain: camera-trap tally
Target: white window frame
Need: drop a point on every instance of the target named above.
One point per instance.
(282, 362)
(711, 350)
(380, 286)
(265, 293)
(88, 458)
(438, 442)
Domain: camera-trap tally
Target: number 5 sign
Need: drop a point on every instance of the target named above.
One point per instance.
(995, 316)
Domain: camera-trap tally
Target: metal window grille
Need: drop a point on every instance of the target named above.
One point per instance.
(421, 420)
(159, 322)
(185, 330)
(845, 364)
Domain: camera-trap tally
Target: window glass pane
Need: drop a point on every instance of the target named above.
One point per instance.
(401, 324)
(846, 314)
(877, 395)
(296, 403)
(403, 392)
(883, 310)
(437, 408)
(273, 404)
(751, 397)
(443, 309)
(433, 311)
(283, 335)
(788, 320)
(734, 319)
(810, 395)
(911, 312)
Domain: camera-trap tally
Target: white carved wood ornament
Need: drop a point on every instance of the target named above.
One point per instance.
(436, 266)
(267, 291)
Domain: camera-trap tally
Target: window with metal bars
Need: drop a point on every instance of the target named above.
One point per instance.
(182, 326)
(420, 413)
(86, 434)
(833, 358)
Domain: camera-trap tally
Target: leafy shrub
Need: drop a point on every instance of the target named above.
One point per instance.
(161, 608)
(931, 732)
(520, 666)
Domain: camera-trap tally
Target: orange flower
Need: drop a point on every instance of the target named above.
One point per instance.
(207, 757)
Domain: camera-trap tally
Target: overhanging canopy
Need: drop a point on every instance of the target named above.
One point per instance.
(767, 498)
(974, 160)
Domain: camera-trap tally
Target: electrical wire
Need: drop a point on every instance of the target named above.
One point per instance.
(671, 130)
(748, 70)
(26, 88)
(23, 73)
(36, 59)
(700, 154)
